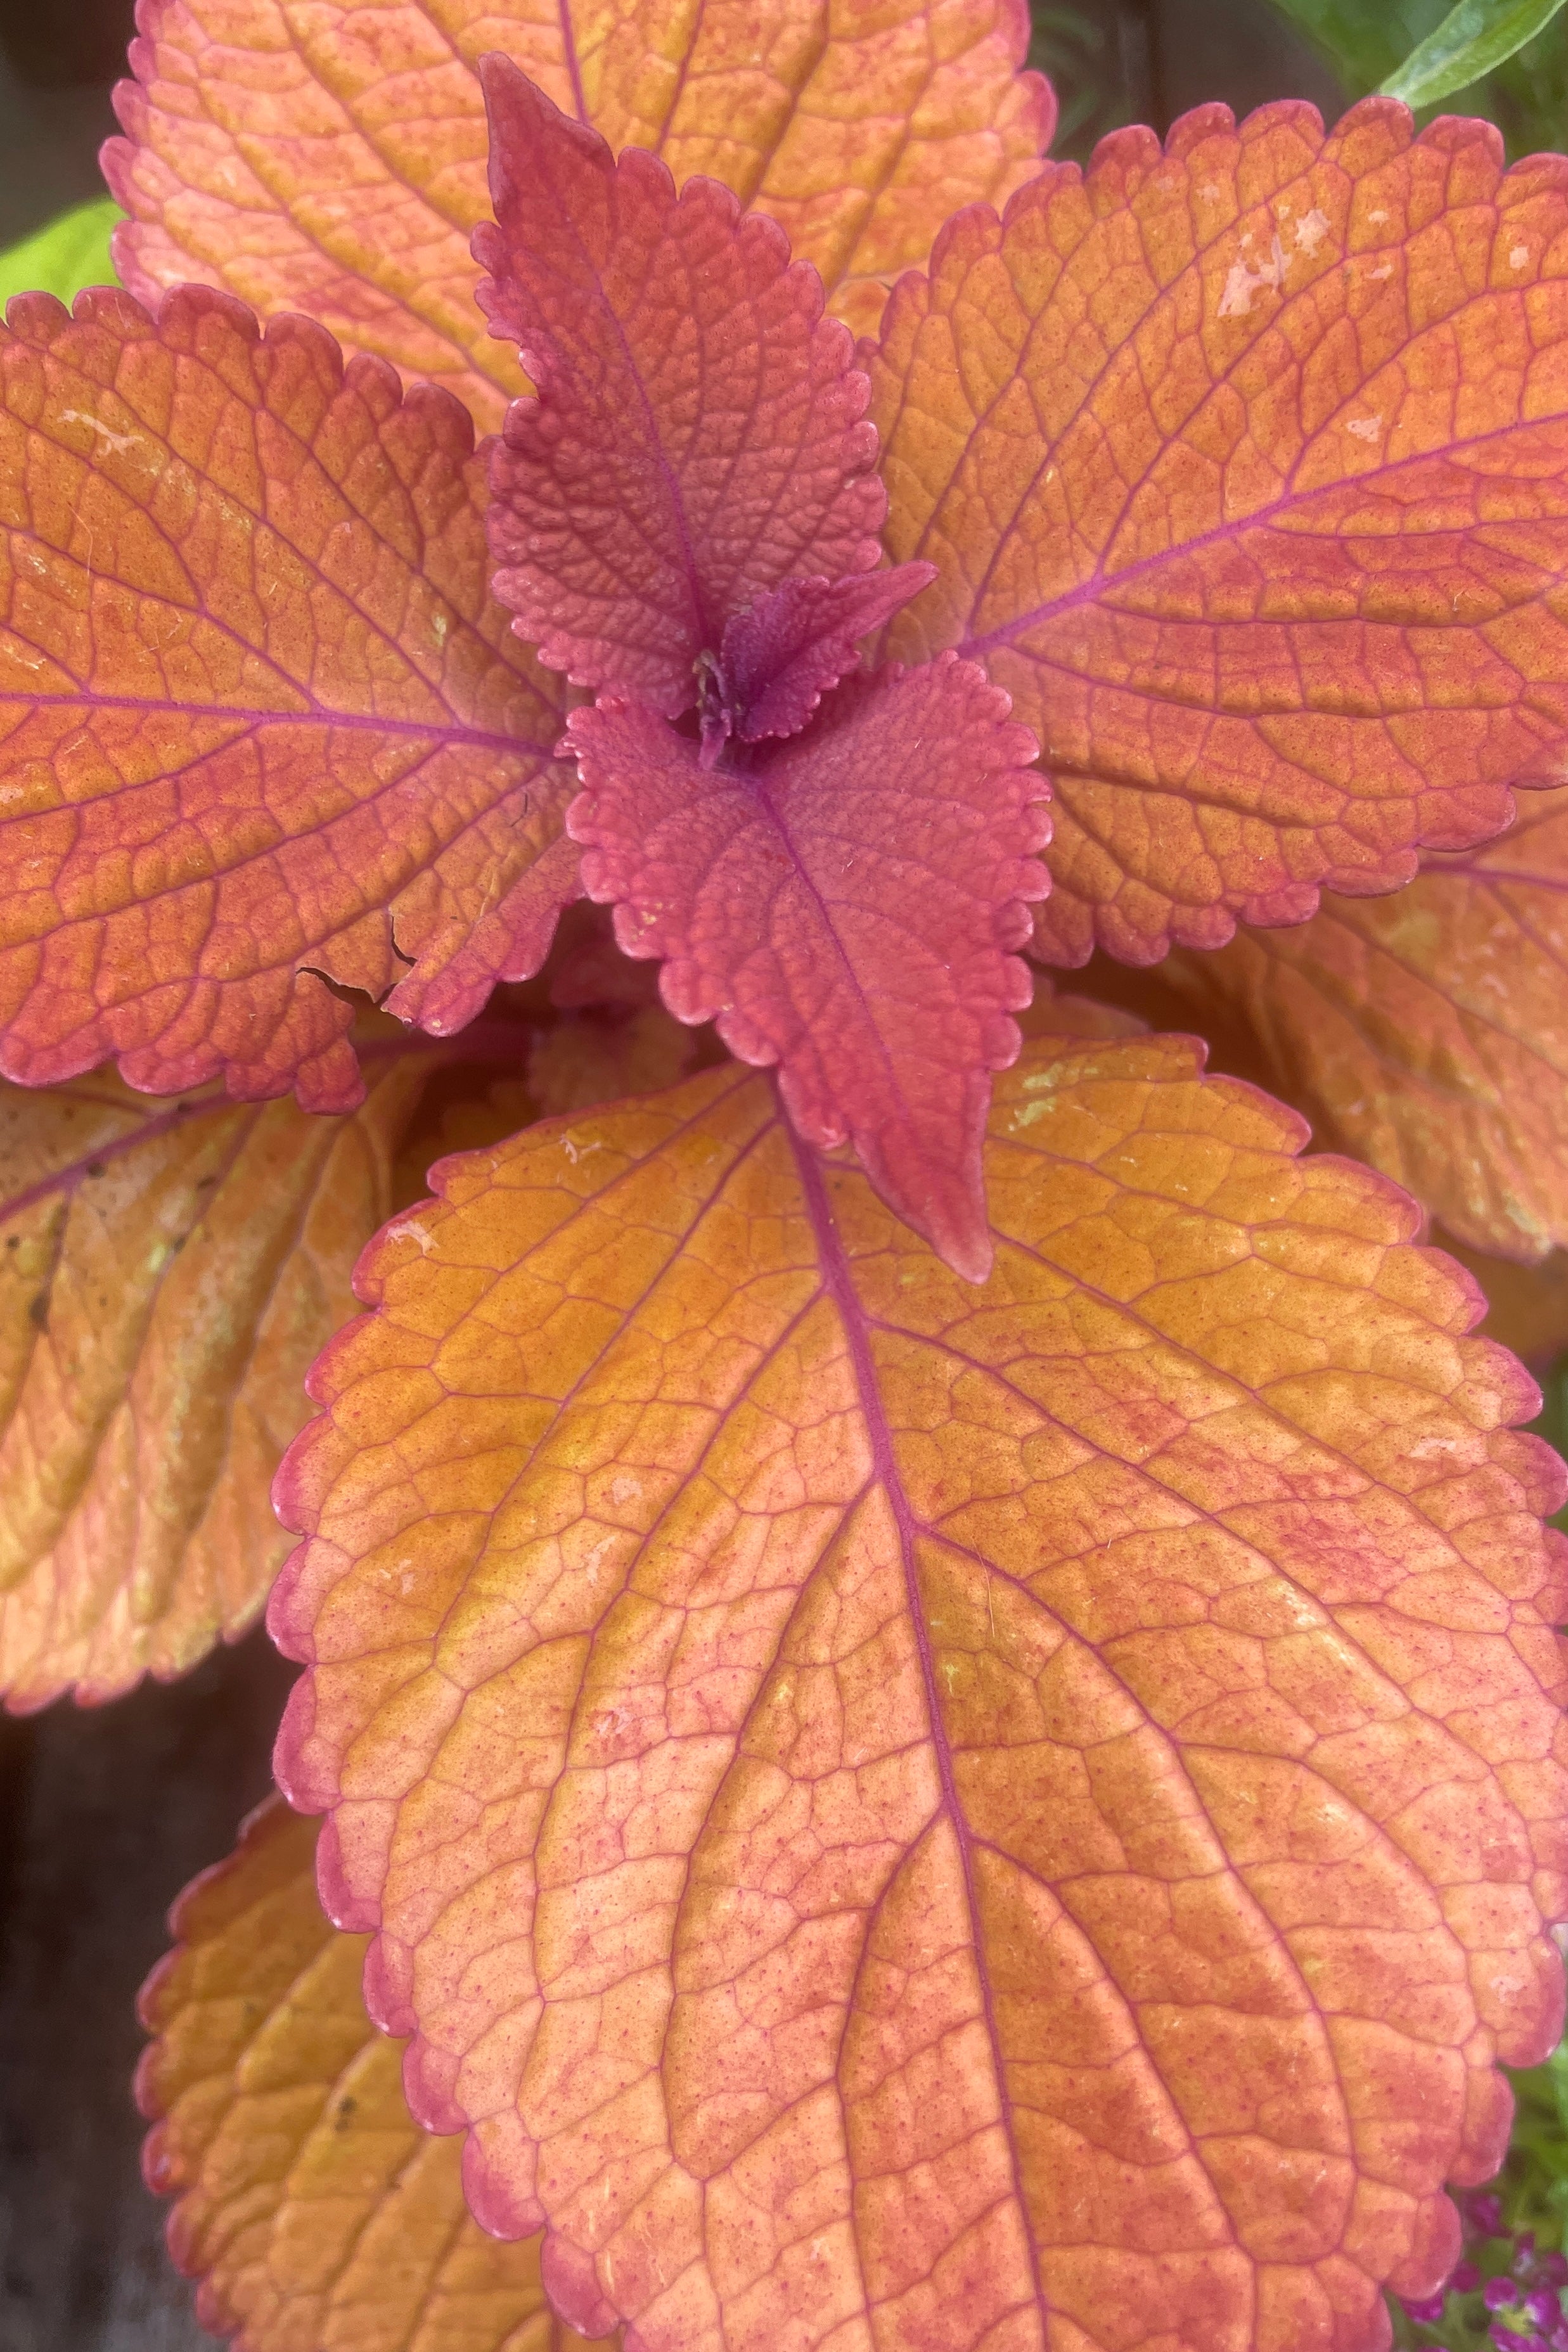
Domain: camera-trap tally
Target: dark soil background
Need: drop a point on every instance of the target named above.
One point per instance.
(105, 1815)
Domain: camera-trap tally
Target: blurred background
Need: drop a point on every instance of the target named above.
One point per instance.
(104, 1816)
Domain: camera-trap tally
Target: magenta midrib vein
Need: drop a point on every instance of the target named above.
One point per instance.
(1101, 583)
(839, 1285)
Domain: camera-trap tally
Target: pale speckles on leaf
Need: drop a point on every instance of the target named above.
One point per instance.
(1242, 282)
(410, 1229)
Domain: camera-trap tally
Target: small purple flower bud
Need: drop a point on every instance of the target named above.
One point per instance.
(1499, 2294)
(1552, 2270)
(1486, 2216)
(1428, 2310)
(1542, 2307)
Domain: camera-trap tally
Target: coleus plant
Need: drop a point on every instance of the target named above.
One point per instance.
(929, 1654)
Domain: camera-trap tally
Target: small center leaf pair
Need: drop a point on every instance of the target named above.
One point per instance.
(685, 515)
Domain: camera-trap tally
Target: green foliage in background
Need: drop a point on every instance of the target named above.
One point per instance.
(70, 252)
(1504, 59)
(1508, 2285)
(1475, 38)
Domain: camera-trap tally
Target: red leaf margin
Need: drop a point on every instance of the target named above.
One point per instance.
(208, 516)
(698, 432)
(845, 903)
(328, 1762)
(1129, 420)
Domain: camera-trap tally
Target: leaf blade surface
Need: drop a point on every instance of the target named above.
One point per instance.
(894, 1918)
(698, 432)
(1238, 460)
(332, 159)
(315, 2214)
(166, 1275)
(846, 907)
(265, 729)
(1427, 1032)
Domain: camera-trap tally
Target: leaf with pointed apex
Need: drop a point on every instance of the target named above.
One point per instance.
(779, 658)
(1244, 467)
(843, 904)
(895, 1811)
(1428, 1032)
(331, 158)
(699, 434)
(262, 726)
(167, 1271)
(314, 2212)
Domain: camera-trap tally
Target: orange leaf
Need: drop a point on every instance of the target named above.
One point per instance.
(1428, 1032)
(1242, 467)
(897, 1809)
(260, 720)
(166, 1274)
(332, 159)
(317, 2216)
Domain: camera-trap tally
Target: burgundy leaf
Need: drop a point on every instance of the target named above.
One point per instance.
(779, 658)
(699, 432)
(844, 904)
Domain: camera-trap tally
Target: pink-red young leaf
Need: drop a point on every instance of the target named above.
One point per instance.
(262, 726)
(698, 432)
(329, 157)
(844, 904)
(1428, 1032)
(779, 658)
(314, 2212)
(1244, 465)
(908, 1817)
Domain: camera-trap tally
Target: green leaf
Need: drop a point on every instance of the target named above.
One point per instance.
(69, 254)
(1475, 36)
